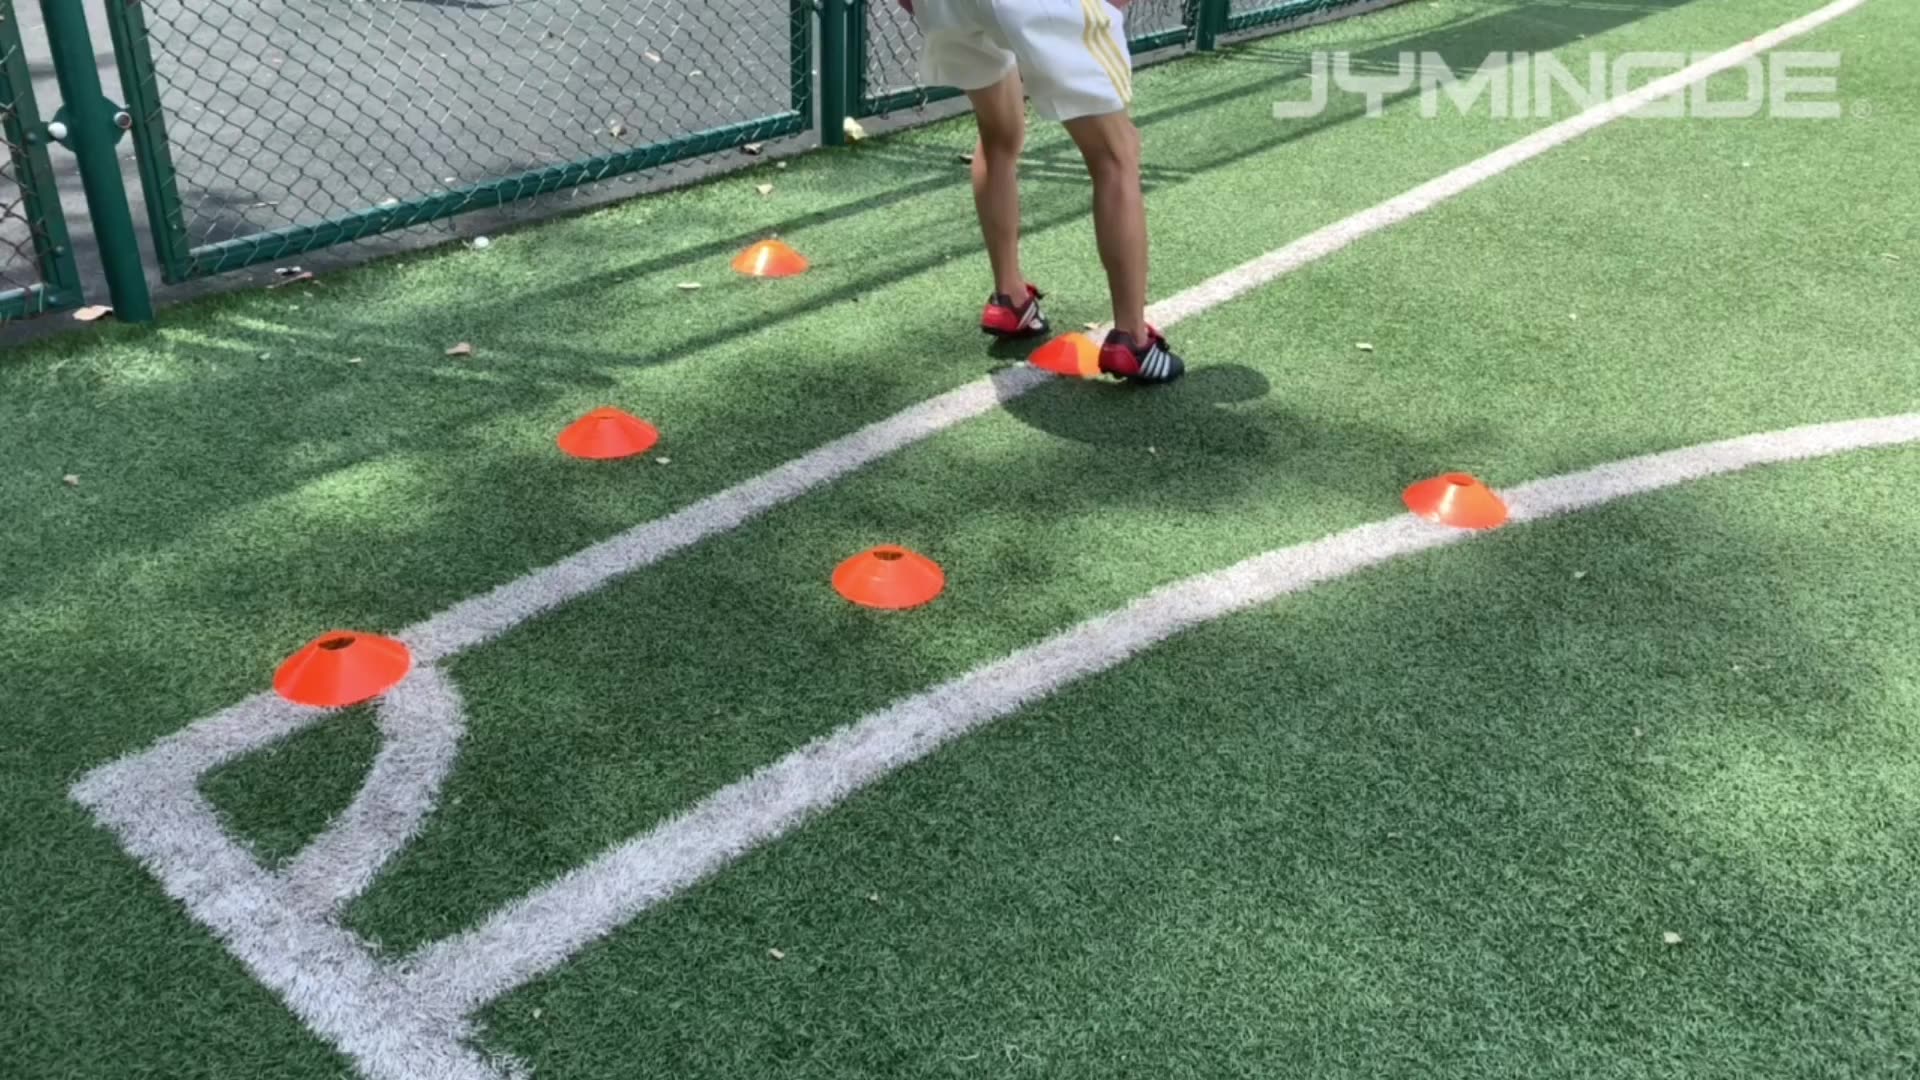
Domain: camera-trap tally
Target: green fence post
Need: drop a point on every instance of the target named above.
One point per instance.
(94, 125)
(166, 214)
(33, 173)
(1212, 19)
(836, 67)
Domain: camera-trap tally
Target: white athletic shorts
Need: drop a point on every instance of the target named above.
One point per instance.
(1072, 54)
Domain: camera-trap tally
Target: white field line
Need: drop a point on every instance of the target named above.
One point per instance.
(412, 1020)
(532, 935)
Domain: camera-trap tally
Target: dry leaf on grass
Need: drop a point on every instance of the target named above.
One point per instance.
(70, 480)
(1670, 938)
(753, 149)
(1364, 346)
(689, 286)
(92, 312)
(776, 954)
(356, 360)
(764, 190)
(462, 349)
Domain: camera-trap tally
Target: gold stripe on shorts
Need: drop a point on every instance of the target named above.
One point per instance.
(1099, 40)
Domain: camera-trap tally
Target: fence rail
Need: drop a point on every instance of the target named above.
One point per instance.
(264, 129)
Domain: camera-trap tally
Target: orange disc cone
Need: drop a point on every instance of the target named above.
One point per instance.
(770, 258)
(342, 668)
(1458, 500)
(1072, 355)
(608, 433)
(889, 577)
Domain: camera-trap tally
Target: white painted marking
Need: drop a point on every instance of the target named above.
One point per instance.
(421, 723)
(411, 1020)
(531, 936)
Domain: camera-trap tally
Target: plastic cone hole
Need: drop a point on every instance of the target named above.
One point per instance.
(335, 644)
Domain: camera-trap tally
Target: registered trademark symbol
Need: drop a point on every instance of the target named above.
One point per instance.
(1862, 110)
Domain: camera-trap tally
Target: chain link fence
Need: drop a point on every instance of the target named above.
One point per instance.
(1245, 15)
(270, 128)
(36, 260)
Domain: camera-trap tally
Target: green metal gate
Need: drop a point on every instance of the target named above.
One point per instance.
(265, 129)
(37, 271)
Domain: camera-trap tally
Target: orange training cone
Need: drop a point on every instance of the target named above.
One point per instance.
(770, 258)
(608, 433)
(1458, 500)
(342, 668)
(1072, 355)
(891, 578)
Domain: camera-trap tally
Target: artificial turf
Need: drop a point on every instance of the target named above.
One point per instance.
(1400, 826)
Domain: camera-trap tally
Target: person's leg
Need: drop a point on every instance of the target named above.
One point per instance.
(1111, 146)
(1000, 111)
(1073, 54)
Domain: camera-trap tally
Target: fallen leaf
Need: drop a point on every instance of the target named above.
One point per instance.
(873, 898)
(1152, 450)
(753, 149)
(1639, 732)
(92, 312)
(652, 57)
(481, 243)
(779, 164)
(1116, 839)
(689, 286)
(764, 190)
(1579, 575)
(776, 954)
(1092, 325)
(1364, 346)
(356, 359)
(664, 460)
(294, 280)
(70, 480)
(853, 130)
(536, 1013)
(1393, 836)
(1670, 938)
(462, 349)
(1890, 256)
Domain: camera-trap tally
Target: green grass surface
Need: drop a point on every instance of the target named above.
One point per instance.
(1401, 826)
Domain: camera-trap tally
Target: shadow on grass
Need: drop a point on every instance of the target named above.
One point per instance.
(1456, 793)
(235, 469)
